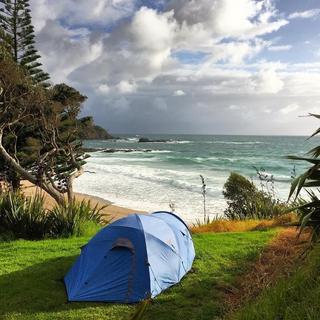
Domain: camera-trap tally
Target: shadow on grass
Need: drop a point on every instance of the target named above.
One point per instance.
(38, 289)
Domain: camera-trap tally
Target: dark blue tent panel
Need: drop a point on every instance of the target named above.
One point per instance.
(131, 259)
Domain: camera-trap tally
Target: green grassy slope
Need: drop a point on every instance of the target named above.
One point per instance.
(295, 298)
(31, 273)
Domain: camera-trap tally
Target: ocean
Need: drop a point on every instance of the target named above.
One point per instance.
(149, 176)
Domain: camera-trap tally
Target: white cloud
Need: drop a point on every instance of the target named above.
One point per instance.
(226, 18)
(234, 107)
(80, 12)
(305, 14)
(126, 86)
(103, 88)
(290, 108)
(267, 81)
(140, 64)
(64, 50)
(179, 93)
(280, 48)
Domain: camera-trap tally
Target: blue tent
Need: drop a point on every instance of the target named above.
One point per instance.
(131, 259)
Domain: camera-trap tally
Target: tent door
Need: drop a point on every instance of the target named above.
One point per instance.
(122, 260)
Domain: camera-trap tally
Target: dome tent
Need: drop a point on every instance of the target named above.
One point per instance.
(132, 259)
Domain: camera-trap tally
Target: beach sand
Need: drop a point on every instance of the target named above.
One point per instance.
(110, 212)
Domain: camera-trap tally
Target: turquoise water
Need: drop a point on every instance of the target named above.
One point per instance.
(169, 171)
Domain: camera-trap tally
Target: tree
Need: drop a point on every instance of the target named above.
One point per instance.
(17, 35)
(246, 201)
(39, 132)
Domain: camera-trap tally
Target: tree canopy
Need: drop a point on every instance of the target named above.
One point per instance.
(17, 35)
(39, 130)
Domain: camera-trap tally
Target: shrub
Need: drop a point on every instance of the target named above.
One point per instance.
(72, 218)
(23, 217)
(27, 218)
(246, 201)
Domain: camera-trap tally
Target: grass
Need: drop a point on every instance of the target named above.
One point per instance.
(293, 298)
(31, 273)
(225, 225)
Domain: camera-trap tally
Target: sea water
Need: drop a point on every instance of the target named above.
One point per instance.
(155, 174)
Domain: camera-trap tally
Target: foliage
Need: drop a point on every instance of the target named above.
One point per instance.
(292, 298)
(23, 217)
(39, 132)
(17, 34)
(88, 130)
(245, 201)
(30, 272)
(39, 129)
(27, 218)
(309, 210)
(225, 225)
(71, 219)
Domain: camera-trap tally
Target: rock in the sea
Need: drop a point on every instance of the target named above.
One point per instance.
(126, 150)
(150, 140)
(91, 149)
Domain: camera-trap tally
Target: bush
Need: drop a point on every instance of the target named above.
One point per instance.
(23, 217)
(72, 218)
(245, 201)
(26, 218)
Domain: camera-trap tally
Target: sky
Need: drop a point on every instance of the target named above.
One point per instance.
(187, 66)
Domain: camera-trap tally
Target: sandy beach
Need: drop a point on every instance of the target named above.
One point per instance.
(111, 211)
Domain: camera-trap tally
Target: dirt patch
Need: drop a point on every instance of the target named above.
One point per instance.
(278, 259)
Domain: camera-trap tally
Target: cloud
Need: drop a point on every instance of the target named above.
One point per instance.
(120, 105)
(280, 48)
(179, 93)
(160, 104)
(103, 88)
(235, 107)
(64, 50)
(226, 18)
(126, 86)
(134, 59)
(267, 81)
(80, 12)
(290, 108)
(305, 14)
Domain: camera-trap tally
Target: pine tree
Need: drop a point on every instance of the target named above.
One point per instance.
(18, 36)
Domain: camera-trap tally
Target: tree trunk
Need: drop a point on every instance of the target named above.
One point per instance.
(70, 191)
(25, 174)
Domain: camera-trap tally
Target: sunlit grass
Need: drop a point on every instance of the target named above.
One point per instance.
(224, 225)
(31, 273)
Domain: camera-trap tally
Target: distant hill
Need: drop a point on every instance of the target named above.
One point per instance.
(90, 131)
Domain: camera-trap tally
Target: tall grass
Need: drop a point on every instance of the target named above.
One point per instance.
(27, 218)
(225, 225)
(72, 218)
(23, 217)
